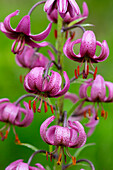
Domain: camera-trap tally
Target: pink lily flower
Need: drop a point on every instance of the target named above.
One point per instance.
(20, 165)
(49, 87)
(53, 16)
(87, 50)
(22, 34)
(98, 92)
(63, 136)
(29, 58)
(11, 115)
(63, 6)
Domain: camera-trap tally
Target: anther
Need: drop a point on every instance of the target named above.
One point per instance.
(59, 159)
(94, 75)
(72, 35)
(66, 34)
(76, 74)
(74, 160)
(96, 117)
(20, 79)
(87, 69)
(103, 113)
(106, 115)
(89, 112)
(34, 106)
(55, 33)
(78, 70)
(17, 139)
(30, 104)
(45, 106)
(6, 134)
(47, 155)
(52, 109)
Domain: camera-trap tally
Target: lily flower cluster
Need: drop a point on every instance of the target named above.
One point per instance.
(43, 83)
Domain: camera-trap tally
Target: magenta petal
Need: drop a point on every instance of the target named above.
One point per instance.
(110, 88)
(43, 34)
(66, 87)
(51, 134)
(98, 90)
(40, 166)
(75, 6)
(4, 100)
(85, 10)
(24, 25)
(22, 166)
(83, 89)
(36, 45)
(48, 4)
(73, 97)
(43, 128)
(62, 6)
(7, 21)
(14, 165)
(88, 44)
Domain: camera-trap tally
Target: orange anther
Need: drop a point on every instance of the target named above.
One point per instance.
(47, 155)
(76, 74)
(87, 69)
(103, 113)
(51, 108)
(106, 115)
(55, 33)
(30, 104)
(45, 106)
(94, 75)
(89, 112)
(6, 134)
(34, 106)
(78, 70)
(17, 139)
(66, 34)
(74, 160)
(96, 117)
(20, 79)
(59, 159)
(72, 35)
(38, 110)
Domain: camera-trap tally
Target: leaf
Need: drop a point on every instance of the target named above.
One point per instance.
(76, 21)
(29, 146)
(80, 149)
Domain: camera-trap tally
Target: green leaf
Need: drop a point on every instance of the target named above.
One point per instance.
(76, 21)
(29, 146)
(80, 149)
(74, 107)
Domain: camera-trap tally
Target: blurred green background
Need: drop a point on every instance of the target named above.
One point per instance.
(101, 154)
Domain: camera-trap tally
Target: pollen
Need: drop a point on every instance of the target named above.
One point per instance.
(30, 104)
(34, 106)
(17, 139)
(45, 106)
(89, 112)
(52, 109)
(76, 74)
(74, 160)
(95, 72)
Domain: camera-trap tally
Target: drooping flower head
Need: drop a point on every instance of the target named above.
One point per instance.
(88, 112)
(20, 165)
(22, 34)
(98, 92)
(11, 115)
(63, 6)
(87, 50)
(29, 58)
(72, 136)
(45, 87)
(53, 16)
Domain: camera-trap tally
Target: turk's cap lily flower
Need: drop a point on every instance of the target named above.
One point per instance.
(20, 165)
(87, 53)
(22, 34)
(51, 86)
(53, 16)
(11, 115)
(62, 6)
(63, 136)
(29, 58)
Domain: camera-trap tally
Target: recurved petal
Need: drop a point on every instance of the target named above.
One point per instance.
(28, 116)
(26, 85)
(81, 140)
(73, 97)
(4, 100)
(22, 166)
(35, 45)
(66, 87)
(83, 89)
(42, 35)
(75, 6)
(104, 51)
(51, 134)
(48, 4)
(110, 88)
(98, 90)
(7, 21)
(88, 44)
(62, 6)
(24, 25)
(40, 166)
(13, 165)
(85, 10)
(43, 128)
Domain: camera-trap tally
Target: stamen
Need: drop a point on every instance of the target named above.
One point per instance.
(55, 33)
(78, 70)
(87, 69)
(52, 109)
(34, 106)
(20, 79)
(103, 113)
(106, 115)
(89, 112)
(39, 109)
(94, 75)
(84, 114)
(17, 139)
(6, 134)
(47, 155)
(59, 159)
(30, 104)
(74, 160)
(96, 117)
(76, 74)
(51, 157)
(45, 106)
